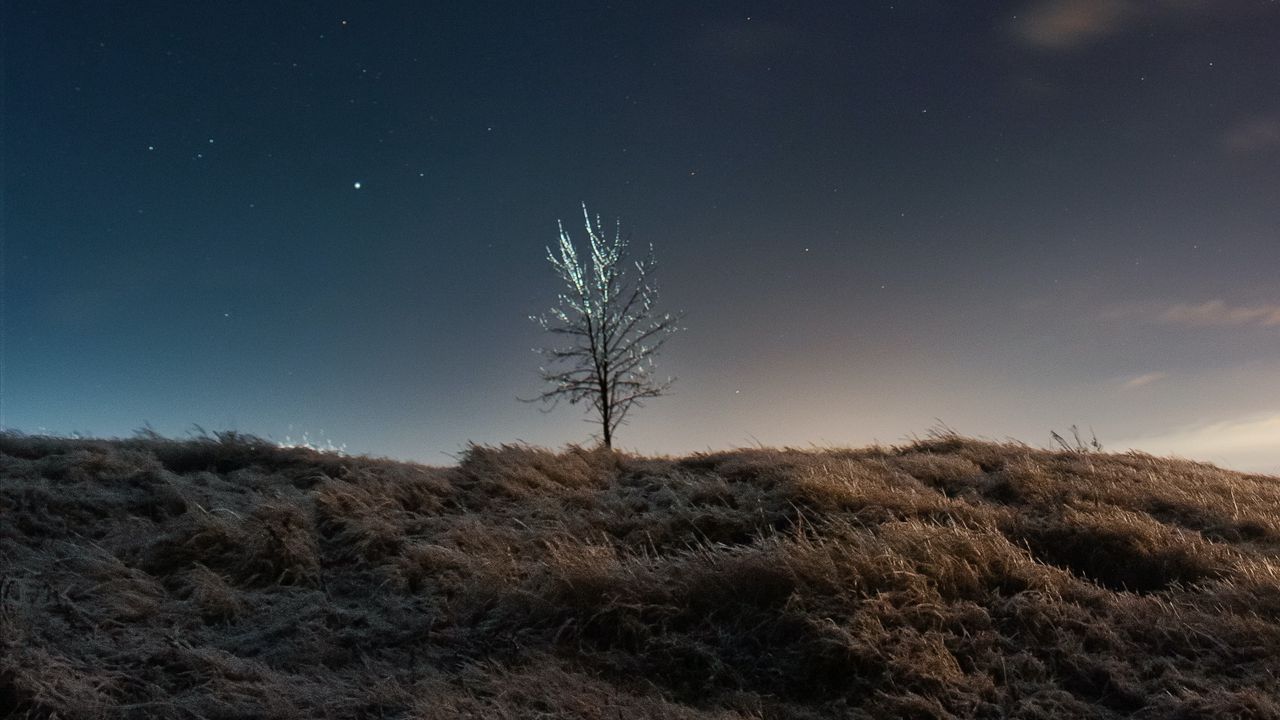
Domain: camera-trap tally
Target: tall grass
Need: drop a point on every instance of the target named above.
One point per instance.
(228, 577)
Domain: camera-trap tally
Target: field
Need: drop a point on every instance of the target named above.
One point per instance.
(225, 577)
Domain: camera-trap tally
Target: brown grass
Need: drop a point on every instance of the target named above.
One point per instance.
(227, 578)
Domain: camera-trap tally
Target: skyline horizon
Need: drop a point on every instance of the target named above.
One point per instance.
(1209, 442)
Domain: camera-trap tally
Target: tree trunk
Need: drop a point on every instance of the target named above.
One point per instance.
(606, 410)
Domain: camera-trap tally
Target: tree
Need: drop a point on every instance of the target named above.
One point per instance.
(609, 329)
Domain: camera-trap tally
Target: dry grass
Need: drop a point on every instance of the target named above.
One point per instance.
(227, 578)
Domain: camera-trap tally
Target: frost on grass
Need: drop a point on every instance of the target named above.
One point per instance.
(228, 577)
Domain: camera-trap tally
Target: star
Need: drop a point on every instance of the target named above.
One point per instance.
(356, 185)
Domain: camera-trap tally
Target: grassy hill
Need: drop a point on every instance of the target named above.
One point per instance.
(228, 578)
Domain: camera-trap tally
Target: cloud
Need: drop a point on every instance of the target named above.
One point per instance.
(1216, 313)
(1068, 24)
(1252, 136)
(1143, 380)
(1249, 443)
(1062, 24)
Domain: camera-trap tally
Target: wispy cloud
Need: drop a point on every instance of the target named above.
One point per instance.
(1143, 380)
(1207, 314)
(1217, 313)
(1067, 24)
(1245, 443)
(1062, 24)
(1253, 135)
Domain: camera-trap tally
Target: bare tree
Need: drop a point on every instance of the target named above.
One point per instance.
(608, 328)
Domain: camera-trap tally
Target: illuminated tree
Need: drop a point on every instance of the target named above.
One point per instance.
(607, 326)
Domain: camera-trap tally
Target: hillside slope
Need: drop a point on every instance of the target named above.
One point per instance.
(228, 578)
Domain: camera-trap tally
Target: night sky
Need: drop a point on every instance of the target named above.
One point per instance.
(330, 218)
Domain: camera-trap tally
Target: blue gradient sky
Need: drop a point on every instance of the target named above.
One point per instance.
(1011, 218)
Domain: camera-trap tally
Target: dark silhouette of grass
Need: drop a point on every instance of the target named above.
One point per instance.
(225, 577)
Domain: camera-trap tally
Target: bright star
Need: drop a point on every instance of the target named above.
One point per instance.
(356, 185)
